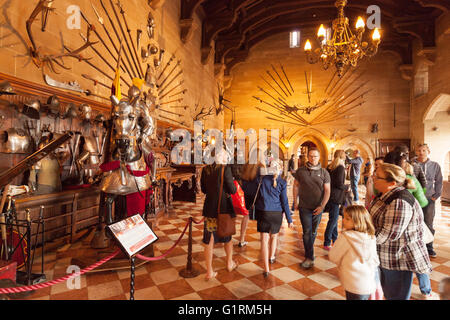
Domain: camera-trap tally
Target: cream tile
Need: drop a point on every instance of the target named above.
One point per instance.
(105, 290)
(199, 283)
(287, 259)
(163, 246)
(286, 292)
(328, 295)
(166, 227)
(195, 247)
(323, 264)
(326, 279)
(163, 276)
(254, 244)
(219, 252)
(249, 269)
(242, 288)
(151, 293)
(437, 276)
(66, 285)
(286, 274)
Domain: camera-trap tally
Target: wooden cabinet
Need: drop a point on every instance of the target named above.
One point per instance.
(387, 145)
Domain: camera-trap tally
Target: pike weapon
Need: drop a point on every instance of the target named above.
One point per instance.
(172, 89)
(72, 86)
(166, 66)
(170, 73)
(118, 37)
(273, 114)
(104, 59)
(171, 112)
(126, 40)
(278, 75)
(268, 72)
(279, 94)
(180, 122)
(171, 81)
(95, 81)
(348, 86)
(307, 88)
(176, 100)
(177, 93)
(122, 12)
(92, 27)
(290, 85)
(342, 81)
(294, 123)
(331, 80)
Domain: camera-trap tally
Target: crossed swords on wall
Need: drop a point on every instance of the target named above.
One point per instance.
(169, 82)
(335, 106)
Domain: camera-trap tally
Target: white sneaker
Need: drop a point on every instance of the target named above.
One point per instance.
(430, 296)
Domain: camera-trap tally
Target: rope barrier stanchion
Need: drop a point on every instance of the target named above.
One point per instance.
(53, 282)
(189, 272)
(200, 221)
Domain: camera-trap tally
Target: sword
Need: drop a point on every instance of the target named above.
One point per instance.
(72, 86)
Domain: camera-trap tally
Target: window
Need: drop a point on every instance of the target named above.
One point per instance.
(294, 39)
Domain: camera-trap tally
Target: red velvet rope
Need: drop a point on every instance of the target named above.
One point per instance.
(53, 282)
(197, 222)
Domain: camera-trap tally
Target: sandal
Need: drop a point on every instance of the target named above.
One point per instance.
(272, 260)
(242, 244)
(214, 275)
(234, 266)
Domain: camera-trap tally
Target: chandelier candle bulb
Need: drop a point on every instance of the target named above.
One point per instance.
(360, 23)
(308, 46)
(321, 33)
(376, 36)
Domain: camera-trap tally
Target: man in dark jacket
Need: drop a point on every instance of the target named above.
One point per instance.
(313, 183)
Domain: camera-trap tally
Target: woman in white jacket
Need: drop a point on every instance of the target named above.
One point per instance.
(355, 254)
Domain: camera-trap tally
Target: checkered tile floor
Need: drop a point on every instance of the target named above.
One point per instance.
(161, 279)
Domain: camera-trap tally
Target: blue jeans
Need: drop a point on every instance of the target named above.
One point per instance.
(354, 296)
(331, 232)
(424, 283)
(310, 223)
(396, 284)
(354, 185)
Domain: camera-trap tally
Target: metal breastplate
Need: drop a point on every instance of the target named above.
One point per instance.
(112, 182)
(16, 141)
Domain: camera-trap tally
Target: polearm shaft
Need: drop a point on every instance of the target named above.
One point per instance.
(294, 123)
(290, 85)
(170, 73)
(342, 81)
(171, 112)
(350, 84)
(118, 38)
(126, 40)
(307, 88)
(104, 60)
(172, 80)
(122, 12)
(178, 93)
(273, 114)
(100, 20)
(278, 75)
(166, 102)
(166, 66)
(180, 122)
(337, 81)
(268, 72)
(103, 42)
(282, 110)
(332, 78)
(172, 89)
(279, 94)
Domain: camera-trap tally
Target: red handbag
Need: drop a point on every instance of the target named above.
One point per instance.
(238, 200)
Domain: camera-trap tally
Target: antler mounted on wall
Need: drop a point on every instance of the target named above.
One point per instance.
(222, 105)
(203, 112)
(40, 60)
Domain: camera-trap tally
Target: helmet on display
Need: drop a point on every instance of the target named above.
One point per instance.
(31, 108)
(6, 88)
(53, 105)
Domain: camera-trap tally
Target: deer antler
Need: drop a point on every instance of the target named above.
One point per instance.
(50, 60)
(203, 113)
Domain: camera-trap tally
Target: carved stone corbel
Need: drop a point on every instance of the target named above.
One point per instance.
(187, 27)
(406, 71)
(429, 55)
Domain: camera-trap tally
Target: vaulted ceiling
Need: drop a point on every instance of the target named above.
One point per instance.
(231, 27)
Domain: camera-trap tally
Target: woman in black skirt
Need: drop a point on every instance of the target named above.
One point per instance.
(210, 185)
(271, 202)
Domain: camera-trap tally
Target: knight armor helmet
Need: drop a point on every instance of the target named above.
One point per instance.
(31, 109)
(53, 105)
(86, 112)
(6, 88)
(70, 111)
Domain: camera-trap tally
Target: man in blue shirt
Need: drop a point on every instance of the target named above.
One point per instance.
(355, 171)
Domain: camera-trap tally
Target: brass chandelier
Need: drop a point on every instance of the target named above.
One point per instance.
(344, 48)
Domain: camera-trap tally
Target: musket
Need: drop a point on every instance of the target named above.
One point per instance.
(170, 82)
(104, 59)
(171, 112)
(122, 12)
(180, 122)
(279, 94)
(172, 89)
(167, 102)
(268, 72)
(7, 176)
(166, 66)
(275, 70)
(126, 41)
(290, 85)
(92, 27)
(170, 73)
(118, 37)
(95, 81)
(177, 93)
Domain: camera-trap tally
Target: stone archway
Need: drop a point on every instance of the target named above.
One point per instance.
(354, 142)
(317, 138)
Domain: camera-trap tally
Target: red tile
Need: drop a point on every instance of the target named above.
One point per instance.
(224, 276)
(266, 283)
(307, 286)
(175, 289)
(142, 281)
(79, 294)
(259, 296)
(216, 293)
(93, 279)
